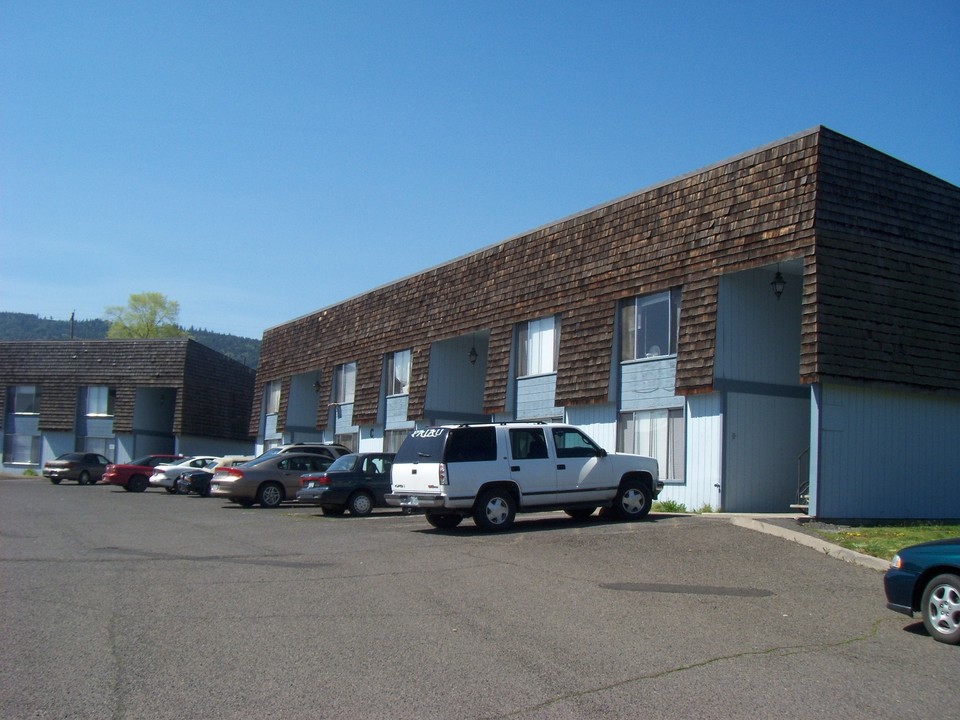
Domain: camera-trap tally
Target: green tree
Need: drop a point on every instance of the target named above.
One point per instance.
(146, 315)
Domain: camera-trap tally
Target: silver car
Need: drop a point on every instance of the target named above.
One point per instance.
(267, 481)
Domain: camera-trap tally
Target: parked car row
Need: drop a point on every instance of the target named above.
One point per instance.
(447, 472)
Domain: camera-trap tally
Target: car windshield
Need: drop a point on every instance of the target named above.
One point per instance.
(145, 460)
(344, 463)
(75, 457)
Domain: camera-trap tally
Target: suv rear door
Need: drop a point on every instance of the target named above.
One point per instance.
(531, 466)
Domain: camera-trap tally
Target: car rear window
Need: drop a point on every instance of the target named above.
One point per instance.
(424, 445)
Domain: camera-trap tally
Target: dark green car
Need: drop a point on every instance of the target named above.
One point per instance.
(356, 482)
(925, 578)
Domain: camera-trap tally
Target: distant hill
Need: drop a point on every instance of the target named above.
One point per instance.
(23, 326)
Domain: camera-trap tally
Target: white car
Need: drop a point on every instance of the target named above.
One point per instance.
(166, 475)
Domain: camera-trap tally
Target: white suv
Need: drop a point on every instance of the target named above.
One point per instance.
(492, 471)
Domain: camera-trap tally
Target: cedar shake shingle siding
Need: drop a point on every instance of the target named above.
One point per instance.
(876, 237)
(214, 392)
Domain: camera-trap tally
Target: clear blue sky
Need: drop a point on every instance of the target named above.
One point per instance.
(258, 161)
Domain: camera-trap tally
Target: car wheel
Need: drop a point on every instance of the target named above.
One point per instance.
(941, 608)
(632, 501)
(270, 495)
(360, 503)
(138, 483)
(332, 510)
(580, 513)
(444, 522)
(204, 491)
(495, 510)
(84, 478)
(55, 481)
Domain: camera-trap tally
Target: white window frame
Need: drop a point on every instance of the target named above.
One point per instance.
(25, 399)
(398, 372)
(538, 346)
(659, 433)
(100, 399)
(271, 398)
(345, 383)
(642, 322)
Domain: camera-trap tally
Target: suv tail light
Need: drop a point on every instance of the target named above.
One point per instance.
(443, 474)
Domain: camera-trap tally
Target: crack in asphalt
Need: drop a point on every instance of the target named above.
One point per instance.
(785, 650)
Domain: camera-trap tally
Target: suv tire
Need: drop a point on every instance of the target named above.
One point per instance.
(444, 522)
(632, 502)
(495, 510)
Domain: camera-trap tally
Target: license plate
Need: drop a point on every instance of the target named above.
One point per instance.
(413, 501)
(214, 487)
(313, 484)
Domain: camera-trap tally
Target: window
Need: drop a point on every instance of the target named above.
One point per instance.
(528, 444)
(648, 325)
(100, 401)
(24, 399)
(21, 449)
(345, 380)
(471, 444)
(573, 443)
(659, 434)
(21, 441)
(393, 439)
(271, 397)
(538, 346)
(398, 373)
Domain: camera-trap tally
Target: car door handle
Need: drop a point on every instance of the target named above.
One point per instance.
(514, 468)
(561, 467)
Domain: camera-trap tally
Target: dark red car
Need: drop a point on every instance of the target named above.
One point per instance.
(135, 476)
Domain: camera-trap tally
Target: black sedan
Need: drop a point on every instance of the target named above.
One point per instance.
(85, 468)
(356, 482)
(194, 481)
(925, 578)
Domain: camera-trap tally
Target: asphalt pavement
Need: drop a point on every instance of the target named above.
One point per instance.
(122, 605)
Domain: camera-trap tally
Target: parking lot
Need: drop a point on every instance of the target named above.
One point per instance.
(121, 605)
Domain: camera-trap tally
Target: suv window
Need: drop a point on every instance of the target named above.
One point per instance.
(573, 443)
(528, 444)
(471, 444)
(422, 445)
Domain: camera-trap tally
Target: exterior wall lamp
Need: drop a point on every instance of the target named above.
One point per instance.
(778, 284)
(472, 356)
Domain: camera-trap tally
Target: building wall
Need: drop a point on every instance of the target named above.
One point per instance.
(887, 454)
(743, 213)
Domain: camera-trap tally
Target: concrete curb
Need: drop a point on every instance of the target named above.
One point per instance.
(823, 546)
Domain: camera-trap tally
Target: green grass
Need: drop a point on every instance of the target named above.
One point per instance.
(883, 541)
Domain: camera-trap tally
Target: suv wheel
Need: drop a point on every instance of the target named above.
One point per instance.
(495, 510)
(270, 495)
(444, 522)
(360, 503)
(632, 502)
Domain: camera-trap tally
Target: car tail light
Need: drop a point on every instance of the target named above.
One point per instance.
(234, 472)
(319, 479)
(443, 474)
